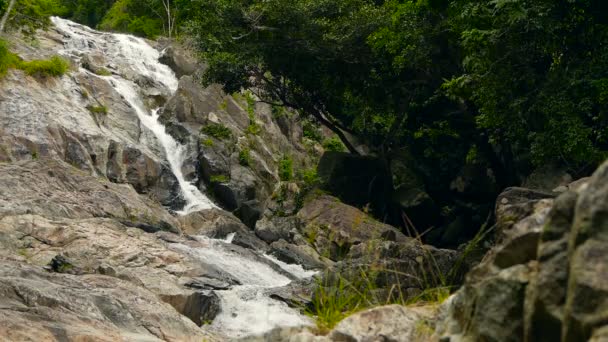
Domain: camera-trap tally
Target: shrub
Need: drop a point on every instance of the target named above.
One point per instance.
(286, 168)
(311, 131)
(55, 67)
(333, 144)
(217, 131)
(245, 157)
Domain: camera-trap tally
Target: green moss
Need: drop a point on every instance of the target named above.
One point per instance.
(65, 267)
(54, 67)
(98, 109)
(103, 72)
(217, 131)
(219, 179)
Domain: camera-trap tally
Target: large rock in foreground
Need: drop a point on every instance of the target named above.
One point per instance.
(547, 279)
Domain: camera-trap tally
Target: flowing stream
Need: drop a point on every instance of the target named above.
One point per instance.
(246, 308)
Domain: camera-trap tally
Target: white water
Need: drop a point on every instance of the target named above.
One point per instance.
(245, 309)
(130, 56)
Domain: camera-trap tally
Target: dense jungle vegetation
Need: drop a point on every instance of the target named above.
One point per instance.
(441, 86)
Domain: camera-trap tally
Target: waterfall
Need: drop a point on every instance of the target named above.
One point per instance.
(246, 308)
(133, 56)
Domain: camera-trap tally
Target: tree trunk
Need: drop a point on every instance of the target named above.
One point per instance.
(6, 14)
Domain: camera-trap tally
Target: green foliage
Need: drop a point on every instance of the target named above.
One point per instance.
(217, 131)
(245, 157)
(253, 128)
(533, 69)
(138, 17)
(30, 15)
(87, 12)
(333, 144)
(54, 67)
(311, 131)
(286, 168)
(309, 177)
(8, 59)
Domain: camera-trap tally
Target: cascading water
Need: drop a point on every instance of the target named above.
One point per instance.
(132, 55)
(246, 308)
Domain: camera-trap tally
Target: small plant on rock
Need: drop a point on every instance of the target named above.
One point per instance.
(245, 157)
(286, 168)
(217, 131)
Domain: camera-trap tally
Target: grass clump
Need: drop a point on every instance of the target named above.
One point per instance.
(286, 168)
(343, 293)
(217, 131)
(337, 297)
(54, 67)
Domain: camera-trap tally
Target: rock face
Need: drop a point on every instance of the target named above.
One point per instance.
(546, 279)
(41, 306)
(334, 227)
(53, 214)
(237, 145)
(55, 118)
